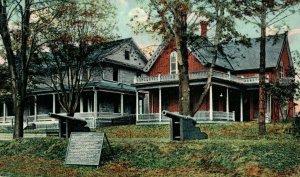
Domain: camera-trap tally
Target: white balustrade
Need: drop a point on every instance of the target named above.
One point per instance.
(199, 116)
(199, 75)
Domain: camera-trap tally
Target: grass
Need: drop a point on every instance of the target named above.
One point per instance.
(232, 150)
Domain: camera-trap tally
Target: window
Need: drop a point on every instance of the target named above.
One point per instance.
(173, 63)
(127, 55)
(281, 70)
(115, 74)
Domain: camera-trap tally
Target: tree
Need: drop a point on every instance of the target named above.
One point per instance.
(170, 20)
(284, 91)
(77, 31)
(257, 13)
(18, 35)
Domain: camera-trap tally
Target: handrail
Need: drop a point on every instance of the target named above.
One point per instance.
(198, 75)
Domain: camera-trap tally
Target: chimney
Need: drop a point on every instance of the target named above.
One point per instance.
(203, 28)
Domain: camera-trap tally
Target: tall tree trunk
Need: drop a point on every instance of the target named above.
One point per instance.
(182, 60)
(19, 111)
(262, 66)
(214, 60)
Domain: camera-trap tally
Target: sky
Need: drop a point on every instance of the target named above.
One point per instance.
(128, 8)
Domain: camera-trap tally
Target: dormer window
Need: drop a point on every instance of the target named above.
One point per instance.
(173, 63)
(127, 55)
(281, 70)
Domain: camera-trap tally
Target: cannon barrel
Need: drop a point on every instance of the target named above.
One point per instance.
(173, 115)
(72, 119)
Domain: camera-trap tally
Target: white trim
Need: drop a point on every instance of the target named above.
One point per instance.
(122, 104)
(4, 112)
(241, 108)
(137, 105)
(81, 104)
(159, 100)
(35, 108)
(210, 103)
(281, 72)
(95, 107)
(53, 103)
(227, 101)
(173, 55)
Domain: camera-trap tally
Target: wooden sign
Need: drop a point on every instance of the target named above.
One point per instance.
(84, 148)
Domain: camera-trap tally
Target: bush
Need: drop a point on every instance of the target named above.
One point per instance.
(296, 127)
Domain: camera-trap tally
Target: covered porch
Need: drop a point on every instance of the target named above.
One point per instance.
(96, 105)
(222, 103)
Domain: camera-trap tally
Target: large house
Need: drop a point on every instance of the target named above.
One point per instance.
(130, 85)
(109, 95)
(233, 94)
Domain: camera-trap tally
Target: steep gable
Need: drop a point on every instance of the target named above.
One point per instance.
(201, 49)
(161, 64)
(124, 52)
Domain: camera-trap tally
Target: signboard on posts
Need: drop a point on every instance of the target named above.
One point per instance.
(84, 148)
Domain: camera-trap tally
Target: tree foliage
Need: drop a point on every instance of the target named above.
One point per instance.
(264, 13)
(19, 37)
(77, 30)
(179, 19)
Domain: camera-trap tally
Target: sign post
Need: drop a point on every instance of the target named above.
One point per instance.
(84, 148)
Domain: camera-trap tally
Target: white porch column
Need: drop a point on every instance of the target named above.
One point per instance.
(241, 108)
(53, 103)
(4, 112)
(122, 104)
(210, 103)
(159, 100)
(270, 103)
(95, 106)
(81, 104)
(35, 108)
(137, 106)
(227, 102)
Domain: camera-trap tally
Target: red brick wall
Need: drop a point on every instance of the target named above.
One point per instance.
(162, 64)
(195, 65)
(276, 75)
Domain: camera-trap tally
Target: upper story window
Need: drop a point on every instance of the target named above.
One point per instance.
(173, 63)
(115, 74)
(281, 70)
(127, 55)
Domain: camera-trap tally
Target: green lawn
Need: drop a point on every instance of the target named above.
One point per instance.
(232, 150)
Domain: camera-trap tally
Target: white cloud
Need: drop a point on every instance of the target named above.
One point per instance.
(272, 30)
(138, 14)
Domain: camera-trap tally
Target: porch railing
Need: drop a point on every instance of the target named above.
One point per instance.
(199, 75)
(199, 116)
(152, 117)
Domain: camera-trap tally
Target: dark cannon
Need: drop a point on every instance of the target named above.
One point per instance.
(183, 127)
(69, 124)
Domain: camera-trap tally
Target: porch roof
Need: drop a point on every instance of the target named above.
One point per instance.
(106, 85)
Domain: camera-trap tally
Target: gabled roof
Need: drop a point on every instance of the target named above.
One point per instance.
(236, 56)
(203, 50)
(157, 53)
(243, 57)
(109, 48)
